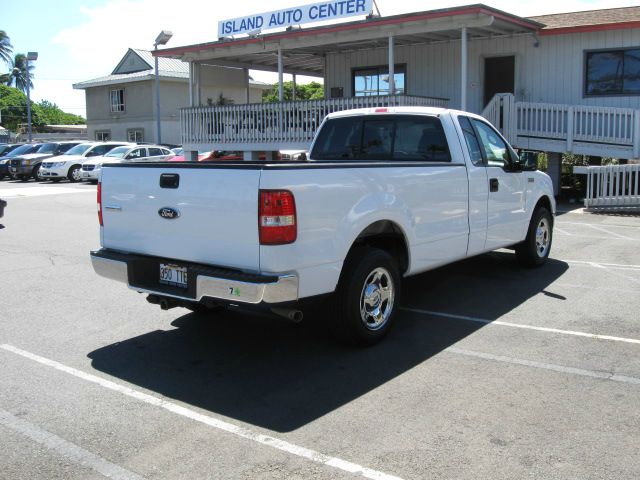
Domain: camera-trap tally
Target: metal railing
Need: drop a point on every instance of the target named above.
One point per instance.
(277, 123)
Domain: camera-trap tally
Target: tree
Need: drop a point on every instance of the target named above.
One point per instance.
(18, 75)
(306, 91)
(6, 49)
(50, 114)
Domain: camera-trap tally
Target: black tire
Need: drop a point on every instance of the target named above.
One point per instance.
(535, 248)
(34, 173)
(367, 297)
(73, 174)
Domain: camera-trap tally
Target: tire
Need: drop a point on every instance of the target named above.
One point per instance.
(74, 173)
(34, 173)
(367, 297)
(534, 250)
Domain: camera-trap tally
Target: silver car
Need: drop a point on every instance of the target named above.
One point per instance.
(138, 153)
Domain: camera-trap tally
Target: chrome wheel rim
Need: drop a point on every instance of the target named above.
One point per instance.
(376, 299)
(543, 237)
(75, 174)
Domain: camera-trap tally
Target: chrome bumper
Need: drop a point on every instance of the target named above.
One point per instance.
(284, 289)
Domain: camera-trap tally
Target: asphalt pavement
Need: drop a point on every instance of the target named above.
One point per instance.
(492, 372)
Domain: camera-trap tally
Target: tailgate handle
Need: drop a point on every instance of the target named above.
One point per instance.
(169, 180)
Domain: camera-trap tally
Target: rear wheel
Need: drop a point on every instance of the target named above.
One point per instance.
(75, 173)
(534, 250)
(35, 173)
(367, 297)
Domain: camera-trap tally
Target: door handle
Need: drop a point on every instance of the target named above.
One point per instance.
(493, 184)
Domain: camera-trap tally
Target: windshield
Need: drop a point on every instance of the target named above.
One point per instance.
(79, 149)
(23, 149)
(47, 148)
(118, 152)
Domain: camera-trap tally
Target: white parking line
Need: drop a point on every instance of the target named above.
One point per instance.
(65, 448)
(615, 225)
(546, 366)
(525, 327)
(39, 191)
(618, 266)
(609, 232)
(242, 432)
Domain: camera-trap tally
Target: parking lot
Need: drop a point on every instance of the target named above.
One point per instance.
(492, 371)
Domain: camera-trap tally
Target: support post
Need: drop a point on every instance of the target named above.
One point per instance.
(280, 75)
(191, 84)
(570, 128)
(554, 170)
(392, 80)
(157, 85)
(198, 76)
(247, 93)
(294, 88)
(28, 104)
(463, 68)
(636, 134)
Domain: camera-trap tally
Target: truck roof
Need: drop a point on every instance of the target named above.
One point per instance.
(399, 110)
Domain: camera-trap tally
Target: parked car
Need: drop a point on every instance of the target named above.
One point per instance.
(386, 193)
(130, 153)
(26, 166)
(6, 148)
(21, 149)
(203, 156)
(69, 164)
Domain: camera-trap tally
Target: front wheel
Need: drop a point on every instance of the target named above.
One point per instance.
(535, 248)
(367, 297)
(75, 173)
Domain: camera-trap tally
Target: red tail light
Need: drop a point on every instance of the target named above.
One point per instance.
(100, 203)
(277, 220)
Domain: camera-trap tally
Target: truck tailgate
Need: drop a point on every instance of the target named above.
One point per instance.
(216, 213)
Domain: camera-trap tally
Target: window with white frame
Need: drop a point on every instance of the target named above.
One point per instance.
(103, 135)
(117, 100)
(135, 135)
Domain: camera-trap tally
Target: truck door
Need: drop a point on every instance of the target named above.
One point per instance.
(506, 215)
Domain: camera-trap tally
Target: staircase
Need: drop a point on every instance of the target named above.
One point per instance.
(549, 127)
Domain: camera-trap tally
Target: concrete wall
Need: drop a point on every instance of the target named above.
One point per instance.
(551, 72)
(226, 81)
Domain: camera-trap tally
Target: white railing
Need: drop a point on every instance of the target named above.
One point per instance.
(277, 123)
(612, 185)
(603, 126)
(500, 112)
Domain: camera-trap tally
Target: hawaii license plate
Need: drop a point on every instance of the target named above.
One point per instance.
(175, 275)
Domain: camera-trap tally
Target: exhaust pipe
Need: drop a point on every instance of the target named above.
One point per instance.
(165, 303)
(290, 314)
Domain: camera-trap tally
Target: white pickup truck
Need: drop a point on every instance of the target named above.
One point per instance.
(385, 193)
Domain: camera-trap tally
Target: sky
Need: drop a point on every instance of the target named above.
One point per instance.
(82, 39)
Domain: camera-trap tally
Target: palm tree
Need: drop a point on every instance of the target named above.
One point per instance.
(5, 47)
(18, 75)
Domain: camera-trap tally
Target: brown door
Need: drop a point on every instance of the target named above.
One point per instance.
(499, 76)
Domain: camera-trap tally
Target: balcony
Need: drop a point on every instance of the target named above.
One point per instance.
(275, 126)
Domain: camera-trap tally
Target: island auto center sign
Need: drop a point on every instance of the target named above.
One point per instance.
(317, 12)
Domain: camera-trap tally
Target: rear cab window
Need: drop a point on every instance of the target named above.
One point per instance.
(394, 137)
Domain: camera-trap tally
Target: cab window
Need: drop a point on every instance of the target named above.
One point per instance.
(471, 140)
(495, 149)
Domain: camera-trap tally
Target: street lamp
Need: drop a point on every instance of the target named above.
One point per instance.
(31, 56)
(163, 37)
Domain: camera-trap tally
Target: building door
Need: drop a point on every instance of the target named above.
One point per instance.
(499, 76)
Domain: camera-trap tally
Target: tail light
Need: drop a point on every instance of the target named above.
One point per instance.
(277, 220)
(100, 203)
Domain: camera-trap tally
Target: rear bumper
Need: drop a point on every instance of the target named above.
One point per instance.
(90, 174)
(141, 273)
(55, 172)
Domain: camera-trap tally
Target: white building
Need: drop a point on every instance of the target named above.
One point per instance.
(121, 106)
(556, 83)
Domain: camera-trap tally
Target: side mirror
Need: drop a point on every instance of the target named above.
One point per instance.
(528, 160)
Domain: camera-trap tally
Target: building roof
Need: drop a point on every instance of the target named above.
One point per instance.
(139, 65)
(307, 47)
(607, 16)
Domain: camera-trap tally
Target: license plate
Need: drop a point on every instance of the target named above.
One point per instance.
(173, 275)
(85, 175)
(13, 170)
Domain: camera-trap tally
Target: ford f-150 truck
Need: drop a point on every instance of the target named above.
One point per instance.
(385, 193)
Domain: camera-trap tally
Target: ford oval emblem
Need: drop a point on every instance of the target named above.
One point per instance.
(168, 213)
